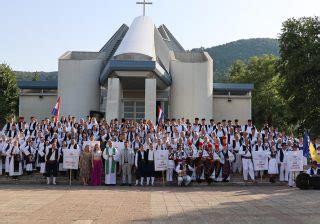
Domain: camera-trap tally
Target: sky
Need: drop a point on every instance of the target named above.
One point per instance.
(35, 33)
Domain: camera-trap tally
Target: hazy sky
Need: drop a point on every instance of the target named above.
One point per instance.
(34, 33)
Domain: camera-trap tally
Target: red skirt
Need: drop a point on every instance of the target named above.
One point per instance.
(96, 175)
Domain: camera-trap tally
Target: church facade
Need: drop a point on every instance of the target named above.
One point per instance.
(141, 68)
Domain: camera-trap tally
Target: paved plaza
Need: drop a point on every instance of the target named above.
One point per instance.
(215, 204)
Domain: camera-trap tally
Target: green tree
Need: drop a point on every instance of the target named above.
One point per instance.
(268, 106)
(36, 76)
(8, 93)
(300, 70)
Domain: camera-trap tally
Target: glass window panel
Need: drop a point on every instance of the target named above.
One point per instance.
(139, 115)
(128, 104)
(140, 104)
(140, 109)
(128, 109)
(128, 115)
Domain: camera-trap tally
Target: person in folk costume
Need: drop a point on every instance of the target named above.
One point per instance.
(227, 159)
(273, 168)
(97, 166)
(314, 170)
(73, 146)
(6, 148)
(62, 149)
(2, 153)
(8, 126)
(235, 147)
(111, 156)
(141, 161)
(202, 155)
(247, 164)
(282, 161)
(217, 161)
(15, 165)
(52, 158)
(294, 174)
(208, 162)
(171, 164)
(29, 152)
(259, 147)
(126, 161)
(150, 165)
(184, 173)
(12, 133)
(42, 155)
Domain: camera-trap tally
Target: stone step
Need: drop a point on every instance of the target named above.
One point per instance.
(36, 179)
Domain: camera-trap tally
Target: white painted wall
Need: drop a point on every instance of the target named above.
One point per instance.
(191, 90)
(150, 100)
(32, 105)
(114, 97)
(238, 108)
(78, 86)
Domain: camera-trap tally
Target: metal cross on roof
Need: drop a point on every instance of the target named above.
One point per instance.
(144, 3)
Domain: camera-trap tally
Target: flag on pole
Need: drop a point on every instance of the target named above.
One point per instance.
(306, 142)
(160, 114)
(56, 110)
(309, 149)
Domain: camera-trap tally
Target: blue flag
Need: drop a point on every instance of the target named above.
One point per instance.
(306, 141)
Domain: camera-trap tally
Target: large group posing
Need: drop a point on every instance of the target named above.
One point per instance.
(198, 151)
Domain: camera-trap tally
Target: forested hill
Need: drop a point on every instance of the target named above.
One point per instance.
(225, 55)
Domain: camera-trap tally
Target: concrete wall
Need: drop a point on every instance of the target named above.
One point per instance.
(238, 108)
(78, 86)
(33, 105)
(191, 90)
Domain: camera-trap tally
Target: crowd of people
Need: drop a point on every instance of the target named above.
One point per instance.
(198, 151)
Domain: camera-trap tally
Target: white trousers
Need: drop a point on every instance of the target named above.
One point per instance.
(247, 169)
(169, 174)
(284, 173)
(185, 180)
(292, 178)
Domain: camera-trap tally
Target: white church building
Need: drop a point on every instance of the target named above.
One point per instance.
(140, 68)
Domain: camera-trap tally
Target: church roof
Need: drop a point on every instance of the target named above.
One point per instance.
(139, 39)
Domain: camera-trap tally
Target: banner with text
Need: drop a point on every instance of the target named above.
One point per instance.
(71, 159)
(160, 160)
(295, 160)
(260, 160)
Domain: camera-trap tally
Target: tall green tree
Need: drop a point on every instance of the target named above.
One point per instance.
(268, 106)
(8, 93)
(300, 70)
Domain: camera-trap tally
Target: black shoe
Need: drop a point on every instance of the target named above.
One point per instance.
(123, 184)
(129, 185)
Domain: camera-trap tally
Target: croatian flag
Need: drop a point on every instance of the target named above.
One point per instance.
(160, 114)
(56, 110)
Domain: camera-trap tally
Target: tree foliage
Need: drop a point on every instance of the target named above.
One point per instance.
(8, 93)
(268, 106)
(300, 70)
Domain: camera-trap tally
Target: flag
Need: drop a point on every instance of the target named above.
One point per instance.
(56, 110)
(309, 149)
(306, 141)
(160, 115)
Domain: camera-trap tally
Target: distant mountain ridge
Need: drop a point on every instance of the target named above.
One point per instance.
(223, 56)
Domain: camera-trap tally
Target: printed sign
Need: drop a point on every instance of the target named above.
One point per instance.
(295, 160)
(160, 160)
(71, 159)
(260, 160)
